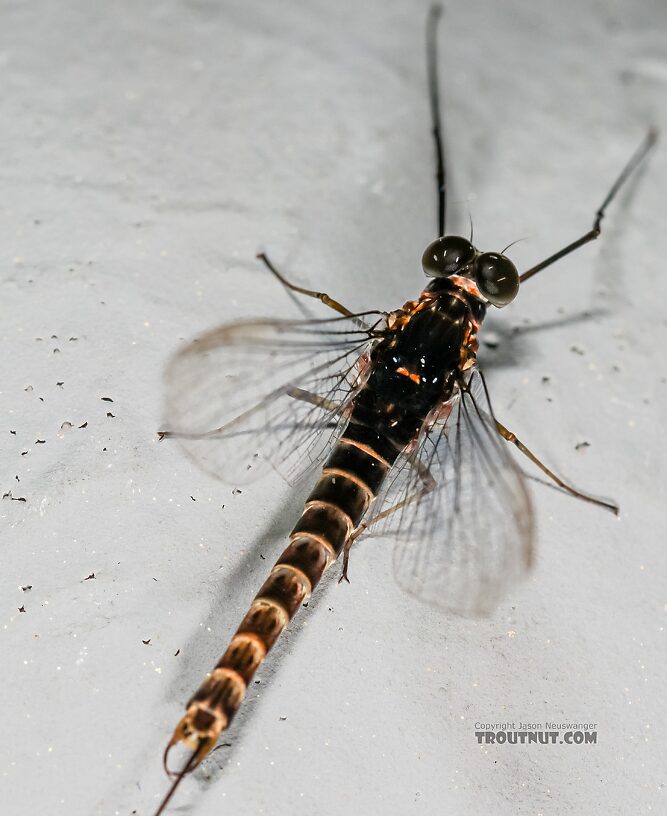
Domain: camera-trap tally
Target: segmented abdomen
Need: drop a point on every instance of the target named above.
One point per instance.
(349, 482)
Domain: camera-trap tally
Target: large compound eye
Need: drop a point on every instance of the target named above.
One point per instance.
(497, 278)
(448, 255)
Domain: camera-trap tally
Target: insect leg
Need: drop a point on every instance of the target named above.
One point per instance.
(511, 437)
(314, 399)
(428, 484)
(592, 234)
(434, 99)
(321, 296)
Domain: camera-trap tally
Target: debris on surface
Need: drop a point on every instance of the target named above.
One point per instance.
(8, 495)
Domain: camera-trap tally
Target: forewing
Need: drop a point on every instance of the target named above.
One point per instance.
(464, 524)
(264, 392)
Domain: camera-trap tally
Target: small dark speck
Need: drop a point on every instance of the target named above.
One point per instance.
(177, 652)
(24, 453)
(546, 379)
(236, 491)
(193, 498)
(110, 415)
(331, 609)
(146, 642)
(41, 399)
(85, 425)
(90, 577)
(262, 557)
(104, 450)
(60, 384)
(223, 507)
(282, 719)
(26, 588)
(491, 343)
(577, 350)
(73, 339)
(21, 608)
(8, 495)
(40, 441)
(107, 399)
(581, 445)
(17, 478)
(257, 682)
(28, 388)
(13, 433)
(54, 336)
(549, 399)
(305, 606)
(56, 351)
(156, 580)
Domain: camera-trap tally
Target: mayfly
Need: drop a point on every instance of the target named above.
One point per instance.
(397, 410)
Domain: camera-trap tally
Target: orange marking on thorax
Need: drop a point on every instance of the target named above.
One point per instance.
(469, 285)
(414, 377)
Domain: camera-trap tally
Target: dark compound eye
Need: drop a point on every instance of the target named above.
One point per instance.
(446, 256)
(497, 278)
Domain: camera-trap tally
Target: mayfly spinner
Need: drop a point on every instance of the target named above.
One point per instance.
(397, 410)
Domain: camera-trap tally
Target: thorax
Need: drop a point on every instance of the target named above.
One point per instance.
(428, 343)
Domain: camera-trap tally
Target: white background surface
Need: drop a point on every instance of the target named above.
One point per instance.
(146, 153)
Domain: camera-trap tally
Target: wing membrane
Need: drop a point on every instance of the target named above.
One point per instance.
(265, 392)
(463, 521)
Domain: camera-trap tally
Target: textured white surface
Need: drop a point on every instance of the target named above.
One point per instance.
(146, 152)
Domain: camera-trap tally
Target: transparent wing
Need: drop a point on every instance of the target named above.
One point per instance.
(462, 521)
(262, 392)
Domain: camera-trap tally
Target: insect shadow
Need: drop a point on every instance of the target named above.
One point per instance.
(509, 346)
